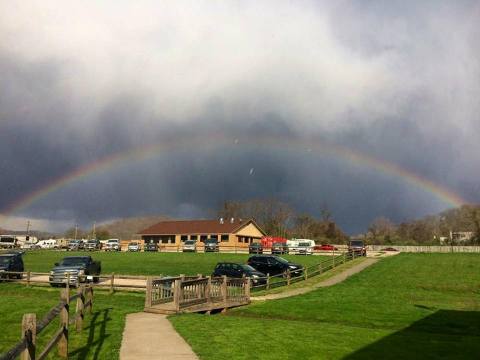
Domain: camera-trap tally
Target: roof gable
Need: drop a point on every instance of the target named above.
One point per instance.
(196, 227)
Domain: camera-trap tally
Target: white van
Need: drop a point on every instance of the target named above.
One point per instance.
(47, 244)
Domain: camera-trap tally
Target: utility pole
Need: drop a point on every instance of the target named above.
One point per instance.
(76, 231)
(94, 234)
(27, 238)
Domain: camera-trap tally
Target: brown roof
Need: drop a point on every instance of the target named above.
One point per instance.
(195, 227)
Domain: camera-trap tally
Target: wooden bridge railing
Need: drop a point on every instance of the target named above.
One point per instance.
(31, 328)
(186, 292)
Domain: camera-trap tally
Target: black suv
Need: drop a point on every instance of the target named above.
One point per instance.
(279, 248)
(238, 271)
(150, 247)
(357, 247)
(255, 248)
(273, 265)
(211, 245)
(11, 262)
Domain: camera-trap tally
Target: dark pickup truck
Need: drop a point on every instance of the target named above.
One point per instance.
(11, 262)
(80, 268)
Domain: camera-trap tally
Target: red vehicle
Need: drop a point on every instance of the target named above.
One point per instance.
(268, 241)
(325, 247)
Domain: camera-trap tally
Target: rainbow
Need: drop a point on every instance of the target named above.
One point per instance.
(214, 140)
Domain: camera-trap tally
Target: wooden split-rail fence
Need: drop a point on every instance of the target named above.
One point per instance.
(195, 294)
(31, 328)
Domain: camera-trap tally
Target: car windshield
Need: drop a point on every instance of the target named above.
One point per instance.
(248, 268)
(282, 260)
(73, 261)
(211, 241)
(190, 242)
(133, 244)
(304, 244)
(277, 244)
(356, 243)
(112, 241)
(5, 260)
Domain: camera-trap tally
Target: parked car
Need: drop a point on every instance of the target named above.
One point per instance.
(76, 245)
(81, 269)
(211, 245)
(325, 247)
(280, 248)
(274, 265)
(238, 271)
(190, 246)
(11, 262)
(255, 248)
(150, 247)
(389, 249)
(304, 248)
(92, 245)
(133, 246)
(357, 247)
(113, 245)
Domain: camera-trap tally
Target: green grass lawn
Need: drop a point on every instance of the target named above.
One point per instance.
(102, 333)
(147, 263)
(411, 306)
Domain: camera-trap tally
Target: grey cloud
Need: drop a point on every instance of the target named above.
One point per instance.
(396, 80)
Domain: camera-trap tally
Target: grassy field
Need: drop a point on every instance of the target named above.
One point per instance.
(411, 306)
(145, 263)
(102, 333)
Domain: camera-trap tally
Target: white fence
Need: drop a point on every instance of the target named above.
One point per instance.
(427, 249)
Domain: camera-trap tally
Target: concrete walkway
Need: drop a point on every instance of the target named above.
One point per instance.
(151, 336)
(328, 282)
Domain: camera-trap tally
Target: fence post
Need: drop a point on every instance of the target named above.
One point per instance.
(305, 273)
(247, 285)
(63, 342)
(288, 277)
(344, 257)
(68, 284)
(208, 289)
(148, 293)
(29, 330)
(79, 311)
(224, 289)
(90, 299)
(333, 261)
(112, 282)
(267, 286)
(353, 254)
(320, 269)
(28, 278)
(176, 295)
(182, 277)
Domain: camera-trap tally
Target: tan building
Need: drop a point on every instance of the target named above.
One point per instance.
(230, 232)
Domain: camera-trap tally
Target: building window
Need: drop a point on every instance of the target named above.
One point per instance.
(224, 238)
(193, 237)
(165, 240)
(214, 237)
(184, 238)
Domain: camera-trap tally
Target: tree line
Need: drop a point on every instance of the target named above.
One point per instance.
(277, 218)
(430, 230)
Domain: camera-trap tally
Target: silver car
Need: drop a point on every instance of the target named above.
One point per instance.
(190, 246)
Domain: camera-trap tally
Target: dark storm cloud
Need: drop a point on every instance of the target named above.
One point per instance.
(397, 81)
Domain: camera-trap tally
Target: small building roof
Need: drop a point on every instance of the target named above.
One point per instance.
(196, 227)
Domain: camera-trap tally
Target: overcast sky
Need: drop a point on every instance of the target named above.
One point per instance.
(395, 80)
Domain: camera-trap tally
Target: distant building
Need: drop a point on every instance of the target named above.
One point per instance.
(229, 232)
(461, 237)
(457, 237)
